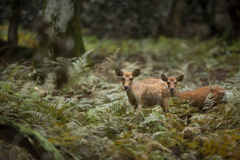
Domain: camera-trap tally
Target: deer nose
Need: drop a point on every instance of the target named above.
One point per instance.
(125, 87)
(171, 89)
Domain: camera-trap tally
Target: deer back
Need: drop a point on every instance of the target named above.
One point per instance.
(150, 91)
(198, 96)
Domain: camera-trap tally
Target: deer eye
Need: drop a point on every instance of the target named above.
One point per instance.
(122, 78)
(131, 79)
(168, 82)
(175, 82)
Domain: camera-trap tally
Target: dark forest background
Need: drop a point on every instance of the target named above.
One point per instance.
(136, 19)
(60, 97)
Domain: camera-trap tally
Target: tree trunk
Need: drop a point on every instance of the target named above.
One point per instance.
(29, 139)
(69, 43)
(74, 30)
(234, 14)
(64, 16)
(175, 19)
(209, 16)
(13, 22)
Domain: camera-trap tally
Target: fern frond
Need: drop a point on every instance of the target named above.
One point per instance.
(232, 82)
(107, 63)
(32, 113)
(80, 63)
(205, 118)
(5, 97)
(208, 102)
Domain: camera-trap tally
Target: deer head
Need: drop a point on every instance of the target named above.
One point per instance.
(172, 82)
(127, 77)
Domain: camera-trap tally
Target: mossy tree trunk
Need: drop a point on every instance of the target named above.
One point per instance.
(66, 21)
(65, 17)
(36, 145)
(74, 30)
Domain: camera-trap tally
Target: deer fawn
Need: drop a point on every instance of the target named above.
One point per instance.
(144, 93)
(198, 96)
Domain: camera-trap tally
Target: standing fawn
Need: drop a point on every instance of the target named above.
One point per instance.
(146, 92)
(198, 96)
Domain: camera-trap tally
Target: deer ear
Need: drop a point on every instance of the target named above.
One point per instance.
(136, 72)
(180, 78)
(118, 72)
(164, 77)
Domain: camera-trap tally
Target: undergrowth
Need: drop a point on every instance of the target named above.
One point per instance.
(88, 119)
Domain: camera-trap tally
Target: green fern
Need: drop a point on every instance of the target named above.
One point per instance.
(208, 102)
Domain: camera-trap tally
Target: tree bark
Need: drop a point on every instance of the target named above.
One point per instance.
(74, 30)
(35, 144)
(69, 44)
(175, 18)
(13, 22)
(234, 14)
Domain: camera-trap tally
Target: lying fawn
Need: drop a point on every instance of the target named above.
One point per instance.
(198, 96)
(144, 93)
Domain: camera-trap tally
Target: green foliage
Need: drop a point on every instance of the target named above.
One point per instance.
(88, 118)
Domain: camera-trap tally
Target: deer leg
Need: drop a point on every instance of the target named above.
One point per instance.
(138, 109)
(137, 116)
(135, 107)
(139, 106)
(164, 104)
(124, 102)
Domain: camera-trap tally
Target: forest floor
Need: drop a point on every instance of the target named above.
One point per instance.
(87, 118)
